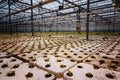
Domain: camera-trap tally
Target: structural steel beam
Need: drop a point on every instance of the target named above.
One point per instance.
(32, 28)
(30, 7)
(87, 21)
(9, 17)
(82, 7)
(71, 3)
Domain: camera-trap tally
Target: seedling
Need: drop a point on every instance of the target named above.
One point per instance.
(29, 75)
(95, 66)
(48, 75)
(1, 61)
(11, 73)
(16, 66)
(80, 57)
(31, 66)
(101, 61)
(112, 66)
(87, 60)
(72, 60)
(47, 60)
(23, 55)
(69, 73)
(105, 57)
(65, 54)
(68, 56)
(115, 62)
(109, 75)
(117, 56)
(59, 60)
(4, 66)
(45, 56)
(62, 50)
(12, 60)
(33, 59)
(47, 65)
(90, 75)
(62, 66)
(81, 51)
(93, 57)
(85, 54)
(75, 54)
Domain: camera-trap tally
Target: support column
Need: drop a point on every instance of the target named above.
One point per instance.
(57, 22)
(114, 21)
(78, 25)
(39, 24)
(16, 27)
(95, 24)
(9, 18)
(32, 28)
(87, 21)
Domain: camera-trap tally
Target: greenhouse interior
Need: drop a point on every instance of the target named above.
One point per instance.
(59, 39)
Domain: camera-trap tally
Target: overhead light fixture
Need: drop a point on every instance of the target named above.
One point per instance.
(15, 0)
(60, 7)
(113, 4)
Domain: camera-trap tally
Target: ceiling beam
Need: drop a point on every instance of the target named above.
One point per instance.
(30, 7)
(84, 8)
(71, 3)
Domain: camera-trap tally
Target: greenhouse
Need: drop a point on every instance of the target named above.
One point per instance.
(59, 39)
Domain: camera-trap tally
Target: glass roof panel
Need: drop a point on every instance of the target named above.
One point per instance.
(52, 6)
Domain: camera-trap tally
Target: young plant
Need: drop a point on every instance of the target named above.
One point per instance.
(72, 60)
(1, 61)
(4, 66)
(85, 53)
(93, 57)
(69, 73)
(97, 53)
(16, 66)
(112, 66)
(12, 60)
(65, 54)
(115, 62)
(118, 56)
(80, 57)
(105, 57)
(68, 56)
(87, 60)
(23, 55)
(62, 50)
(11, 73)
(62, 66)
(47, 60)
(75, 54)
(95, 66)
(109, 75)
(90, 75)
(29, 75)
(44, 56)
(56, 55)
(48, 75)
(101, 61)
(33, 59)
(31, 66)
(81, 51)
(47, 65)
(59, 60)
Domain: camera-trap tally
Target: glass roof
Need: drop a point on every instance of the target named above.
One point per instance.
(49, 8)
